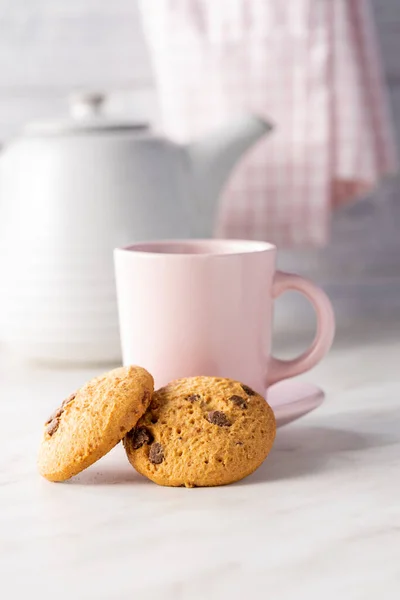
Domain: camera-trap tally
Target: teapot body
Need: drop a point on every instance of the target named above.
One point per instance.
(65, 203)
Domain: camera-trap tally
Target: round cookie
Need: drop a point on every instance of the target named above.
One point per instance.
(92, 421)
(201, 431)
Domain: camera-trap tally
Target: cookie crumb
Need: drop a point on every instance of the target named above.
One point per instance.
(156, 454)
(217, 417)
(239, 401)
(248, 390)
(140, 436)
(52, 427)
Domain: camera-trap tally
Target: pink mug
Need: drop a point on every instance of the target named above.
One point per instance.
(204, 307)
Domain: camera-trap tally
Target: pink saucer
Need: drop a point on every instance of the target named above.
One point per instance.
(291, 399)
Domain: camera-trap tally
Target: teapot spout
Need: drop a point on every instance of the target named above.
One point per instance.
(213, 158)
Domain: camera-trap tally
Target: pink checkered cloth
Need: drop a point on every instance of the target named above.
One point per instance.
(311, 67)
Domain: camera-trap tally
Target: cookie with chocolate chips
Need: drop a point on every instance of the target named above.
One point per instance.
(201, 431)
(90, 422)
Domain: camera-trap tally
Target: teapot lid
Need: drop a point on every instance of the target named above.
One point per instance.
(85, 116)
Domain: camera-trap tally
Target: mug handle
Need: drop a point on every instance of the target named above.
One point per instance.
(283, 369)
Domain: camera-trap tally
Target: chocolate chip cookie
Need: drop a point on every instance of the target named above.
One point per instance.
(90, 422)
(201, 431)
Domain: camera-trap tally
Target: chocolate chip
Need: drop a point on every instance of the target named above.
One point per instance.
(248, 390)
(239, 401)
(193, 397)
(68, 400)
(57, 413)
(239, 443)
(52, 427)
(156, 454)
(139, 437)
(217, 417)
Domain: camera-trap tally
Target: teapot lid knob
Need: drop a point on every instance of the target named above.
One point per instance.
(86, 104)
(86, 115)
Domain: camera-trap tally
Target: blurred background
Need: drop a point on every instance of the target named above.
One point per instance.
(49, 48)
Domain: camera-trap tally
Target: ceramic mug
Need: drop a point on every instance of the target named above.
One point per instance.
(204, 307)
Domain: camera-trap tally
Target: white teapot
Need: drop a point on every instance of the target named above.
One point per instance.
(72, 191)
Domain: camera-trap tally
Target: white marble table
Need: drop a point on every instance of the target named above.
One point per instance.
(320, 518)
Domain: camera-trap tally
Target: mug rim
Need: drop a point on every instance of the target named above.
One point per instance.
(202, 247)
